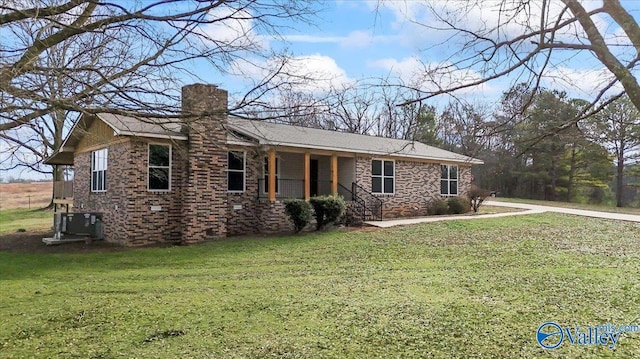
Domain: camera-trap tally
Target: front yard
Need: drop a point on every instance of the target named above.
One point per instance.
(456, 289)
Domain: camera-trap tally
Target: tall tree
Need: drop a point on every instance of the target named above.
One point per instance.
(463, 127)
(63, 58)
(530, 152)
(617, 128)
(528, 40)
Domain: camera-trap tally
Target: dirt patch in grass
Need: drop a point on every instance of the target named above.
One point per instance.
(31, 242)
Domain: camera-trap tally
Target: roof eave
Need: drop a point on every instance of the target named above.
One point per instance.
(152, 135)
(60, 158)
(377, 153)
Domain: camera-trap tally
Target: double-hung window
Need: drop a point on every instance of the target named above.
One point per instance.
(99, 170)
(266, 175)
(236, 171)
(159, 167)
(448, 180)
(382, 177)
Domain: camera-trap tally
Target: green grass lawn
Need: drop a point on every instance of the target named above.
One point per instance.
(459, 289)
(11, 220)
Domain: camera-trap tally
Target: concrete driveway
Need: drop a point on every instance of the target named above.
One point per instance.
(577, 212)
(527, 209)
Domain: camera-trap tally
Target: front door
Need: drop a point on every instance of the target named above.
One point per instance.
(313, 168)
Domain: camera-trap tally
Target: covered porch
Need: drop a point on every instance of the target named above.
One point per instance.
(304, 175)
(63, 192)
(62, 189)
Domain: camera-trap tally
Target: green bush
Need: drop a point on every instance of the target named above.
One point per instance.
(299, 212)
(327, 209)
(458, 205)
(438, 207)
(477, 195)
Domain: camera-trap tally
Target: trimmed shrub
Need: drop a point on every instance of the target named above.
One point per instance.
(299, 212)
(458, 205)
(349, 218)
(438, 207)
(477, 195)
(327, 209)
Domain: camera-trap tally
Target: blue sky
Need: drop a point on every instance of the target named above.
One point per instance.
(353, 39)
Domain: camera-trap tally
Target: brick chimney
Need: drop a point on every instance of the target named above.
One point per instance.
(204, 196)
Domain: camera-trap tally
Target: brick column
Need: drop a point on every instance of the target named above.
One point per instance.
(204, 209)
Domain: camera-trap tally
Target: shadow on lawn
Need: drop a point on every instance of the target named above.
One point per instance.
(31, 242)
(25, 255)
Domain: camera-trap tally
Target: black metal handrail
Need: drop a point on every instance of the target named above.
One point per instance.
(345, 192)
(368, 200)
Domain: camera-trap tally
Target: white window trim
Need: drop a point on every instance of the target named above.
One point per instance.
(265, 190)
(382, 175)
(106, 166)
(149, 165)
(448, 179)
(244, 171)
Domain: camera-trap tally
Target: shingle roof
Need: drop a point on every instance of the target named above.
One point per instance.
(266, 133)
(149, 127)
(295, 136)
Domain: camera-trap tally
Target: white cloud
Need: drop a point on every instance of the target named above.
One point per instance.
(313, 39)
(355, 39)
(421, 24)
(581, 83)
(310, 73)
(432, 76)
(359, 39)
(233, 28)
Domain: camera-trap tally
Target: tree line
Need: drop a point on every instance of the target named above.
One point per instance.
(535, 143)
(60, 59)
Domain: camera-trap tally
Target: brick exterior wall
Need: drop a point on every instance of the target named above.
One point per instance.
(246, 214)
(416, 185)
(198, 206)
(204, 210)
(113, 202)
(242, 215)
(126, 205)
(164, 222)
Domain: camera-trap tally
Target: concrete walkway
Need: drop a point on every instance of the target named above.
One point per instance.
(527, 209)
(402, 222)
(577, 212)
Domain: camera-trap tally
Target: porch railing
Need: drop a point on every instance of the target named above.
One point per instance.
(294, 188)
(63, 189)
(285, 188)
(371, 205)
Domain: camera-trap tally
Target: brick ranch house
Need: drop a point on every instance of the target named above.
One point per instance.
(157, 181)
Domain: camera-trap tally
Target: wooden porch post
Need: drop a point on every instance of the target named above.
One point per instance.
(334, 174)
(272, 175)
(307, 176)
